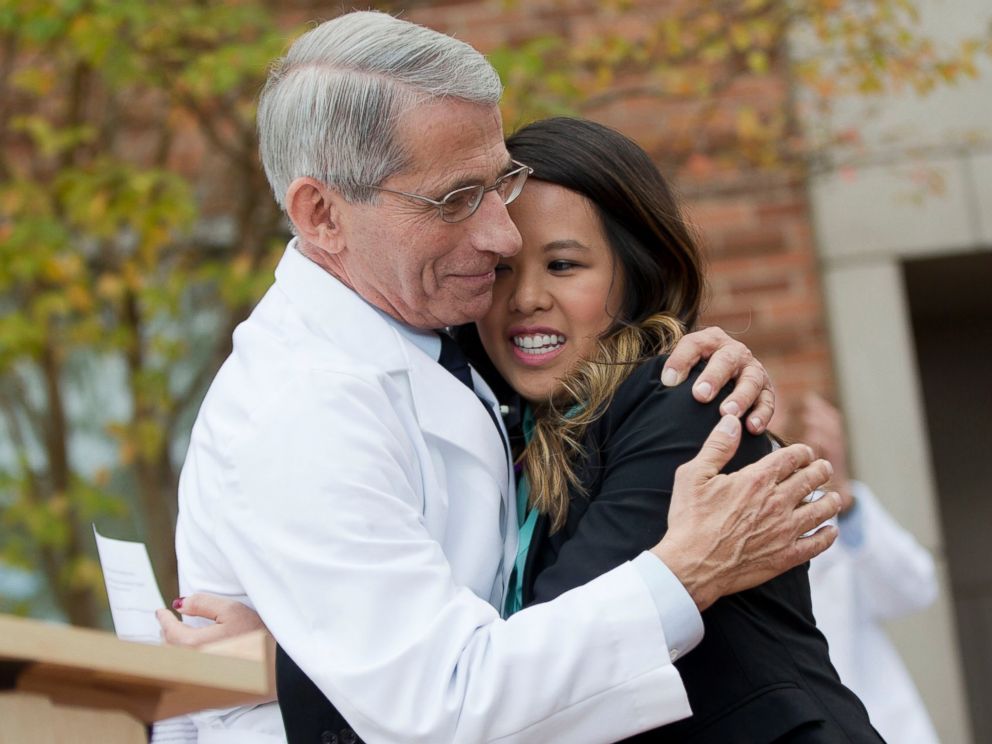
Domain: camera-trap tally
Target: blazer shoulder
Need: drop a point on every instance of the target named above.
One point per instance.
(644, 412)
(643, 395)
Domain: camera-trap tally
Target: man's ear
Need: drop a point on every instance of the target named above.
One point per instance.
(315, 209)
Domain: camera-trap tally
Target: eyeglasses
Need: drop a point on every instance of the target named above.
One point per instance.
(462, 203)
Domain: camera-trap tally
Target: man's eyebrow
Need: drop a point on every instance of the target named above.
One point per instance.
(467, 181)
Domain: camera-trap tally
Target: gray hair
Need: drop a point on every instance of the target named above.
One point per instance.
(329, 107)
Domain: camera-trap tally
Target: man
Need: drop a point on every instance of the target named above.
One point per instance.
(356, 493)
(876, 571)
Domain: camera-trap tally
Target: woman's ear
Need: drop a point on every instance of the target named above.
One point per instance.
(315, 210)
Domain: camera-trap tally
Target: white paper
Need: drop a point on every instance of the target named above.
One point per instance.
(131, 588)
(134, 596)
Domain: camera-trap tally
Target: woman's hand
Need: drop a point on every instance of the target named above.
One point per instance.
(231, 618)
(728, 359)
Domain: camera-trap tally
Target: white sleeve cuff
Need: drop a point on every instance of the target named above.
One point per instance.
(679, 617)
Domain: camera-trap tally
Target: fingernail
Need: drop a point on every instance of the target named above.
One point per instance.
(812, 454)
(670, 377)
(704, 390)
(756, 423)
(830, 467)
(731, 408)
(177, 603)
(728, 425)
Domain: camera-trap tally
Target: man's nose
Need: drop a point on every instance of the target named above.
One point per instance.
(492, 229)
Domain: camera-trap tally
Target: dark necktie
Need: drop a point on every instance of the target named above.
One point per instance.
(453, 360)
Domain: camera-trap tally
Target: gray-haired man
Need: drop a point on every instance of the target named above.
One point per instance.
(356, 494)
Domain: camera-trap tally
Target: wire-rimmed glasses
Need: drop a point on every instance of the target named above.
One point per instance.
(462, 203)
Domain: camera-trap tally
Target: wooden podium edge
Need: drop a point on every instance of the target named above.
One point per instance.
(78, 666)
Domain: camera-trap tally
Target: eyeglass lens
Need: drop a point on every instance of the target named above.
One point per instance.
(463, 203)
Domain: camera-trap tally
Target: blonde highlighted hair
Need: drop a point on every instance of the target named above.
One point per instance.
(555, 449)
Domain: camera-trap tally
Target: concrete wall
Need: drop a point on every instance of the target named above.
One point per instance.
(925, 191)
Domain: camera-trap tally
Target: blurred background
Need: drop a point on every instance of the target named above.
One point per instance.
(835, 156)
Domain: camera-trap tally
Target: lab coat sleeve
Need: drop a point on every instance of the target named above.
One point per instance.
(894, 574)
(324, 525)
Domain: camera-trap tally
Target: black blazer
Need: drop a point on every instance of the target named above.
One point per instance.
(761, 673)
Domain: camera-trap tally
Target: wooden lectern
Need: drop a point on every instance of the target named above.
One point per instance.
(60, 684)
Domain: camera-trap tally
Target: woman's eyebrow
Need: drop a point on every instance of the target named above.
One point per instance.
(565, 244)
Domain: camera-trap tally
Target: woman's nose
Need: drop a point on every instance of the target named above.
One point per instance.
(530, 295)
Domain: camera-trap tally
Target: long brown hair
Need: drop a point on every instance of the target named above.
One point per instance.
(662, 282)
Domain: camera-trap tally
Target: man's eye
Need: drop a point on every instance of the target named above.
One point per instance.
(561, 265)
(458, 199)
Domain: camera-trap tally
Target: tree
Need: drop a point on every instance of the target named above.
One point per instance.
(106, 267)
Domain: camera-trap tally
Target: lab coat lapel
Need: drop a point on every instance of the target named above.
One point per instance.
(435, 393)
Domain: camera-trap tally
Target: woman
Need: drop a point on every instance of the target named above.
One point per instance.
(609, 276)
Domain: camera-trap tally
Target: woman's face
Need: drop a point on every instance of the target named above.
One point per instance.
(553, 299)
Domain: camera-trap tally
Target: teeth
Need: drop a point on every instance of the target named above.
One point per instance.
(538, 343)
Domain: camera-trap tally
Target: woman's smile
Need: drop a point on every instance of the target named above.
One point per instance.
(536, 346)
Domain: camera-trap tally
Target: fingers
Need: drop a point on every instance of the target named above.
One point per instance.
(728, 362)
(177, 633)
(728, 359)
(209, 606)
(807, 548)
(751, 381)
(801, 483)
(717, 450)
(688, 351)
(764, 408)
(782, 463)
(168, 623)
(809, 516)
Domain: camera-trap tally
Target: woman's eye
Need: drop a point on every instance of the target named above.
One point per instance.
(561, 265)
(501, 268)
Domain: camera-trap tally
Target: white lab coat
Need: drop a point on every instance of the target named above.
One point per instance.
(854, 589)
(355, 493)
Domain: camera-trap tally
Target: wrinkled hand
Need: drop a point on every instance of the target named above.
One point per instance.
(728, 533)
(728, 359)
(231, 618)
(823, 430)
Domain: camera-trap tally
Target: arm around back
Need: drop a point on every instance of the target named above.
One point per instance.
(648, 432)
(324, 519)
(726, 532)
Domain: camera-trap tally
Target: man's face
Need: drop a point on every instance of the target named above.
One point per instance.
(400, 255)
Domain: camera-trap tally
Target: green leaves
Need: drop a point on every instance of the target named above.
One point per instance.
(123, 118)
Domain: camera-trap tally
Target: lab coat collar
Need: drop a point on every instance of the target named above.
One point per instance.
(335, 312)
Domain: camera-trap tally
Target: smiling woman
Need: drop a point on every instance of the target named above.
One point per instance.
(609, 277)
